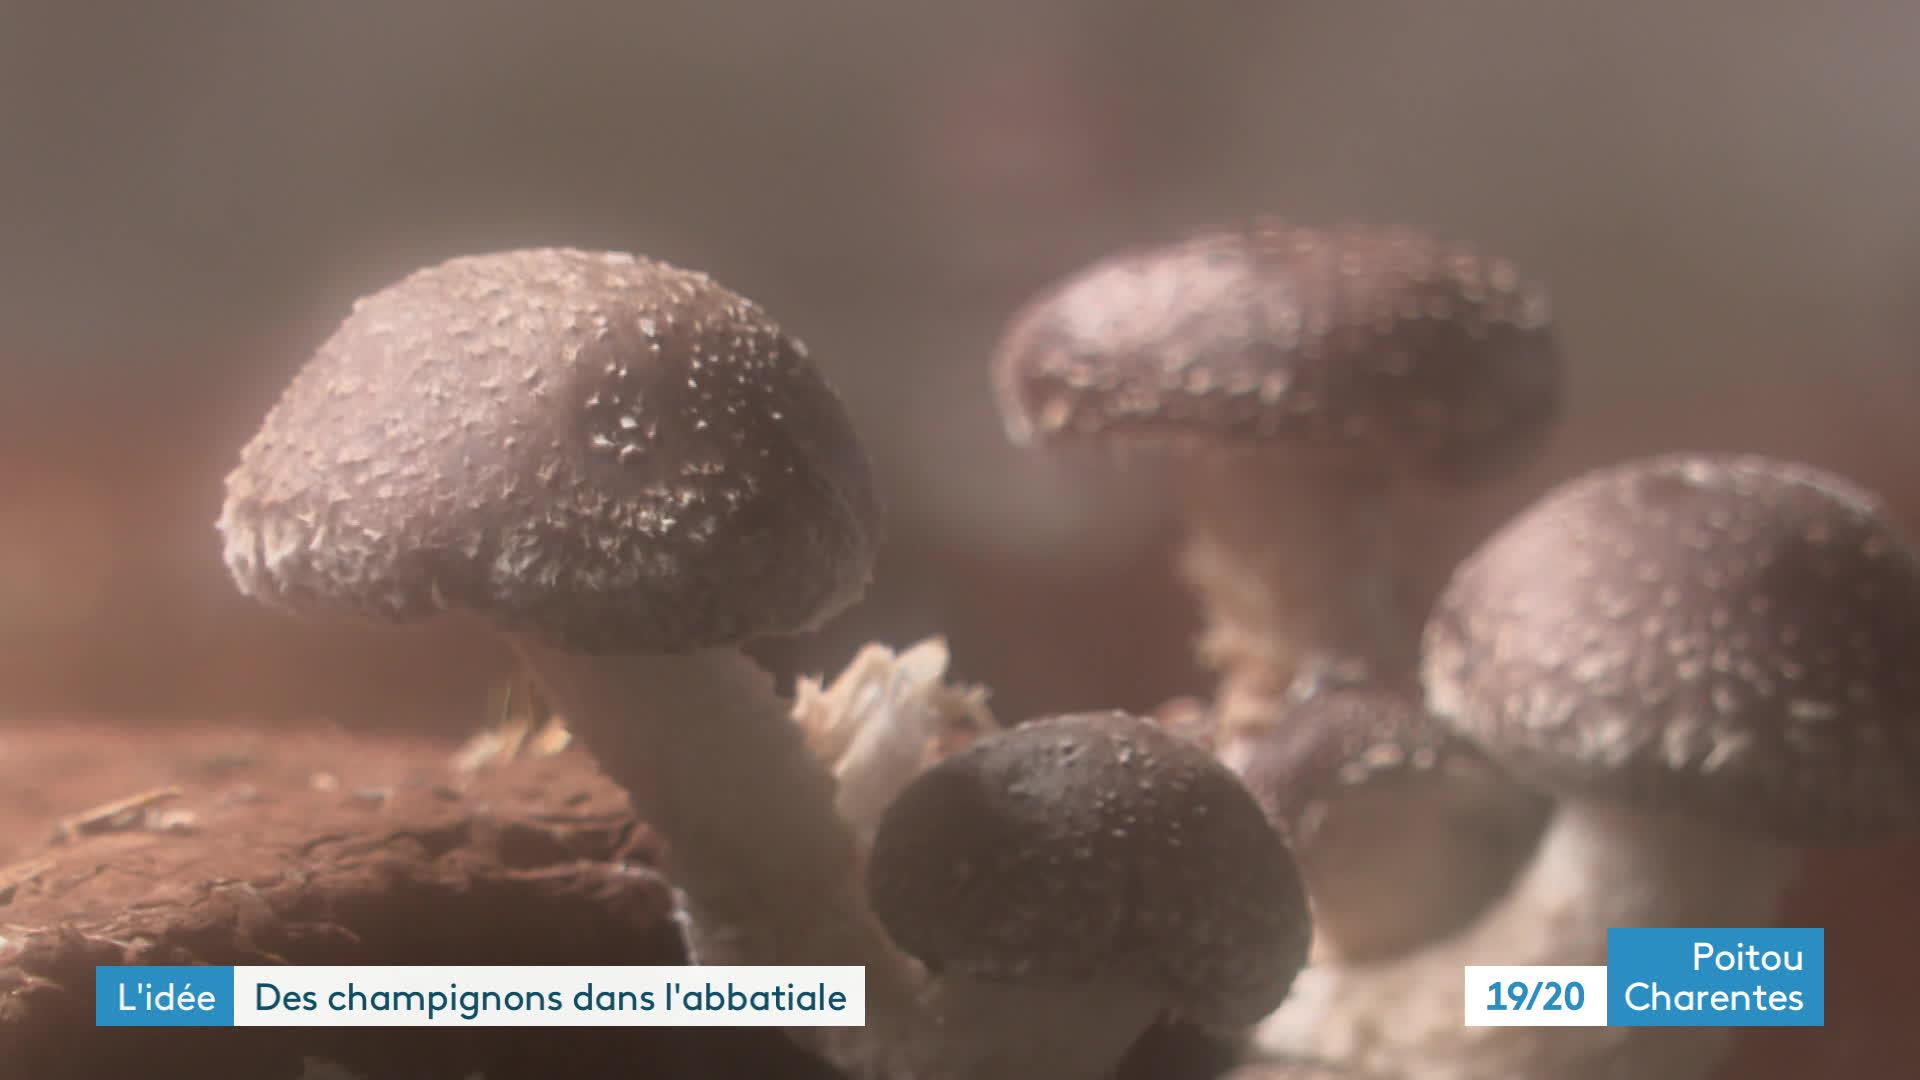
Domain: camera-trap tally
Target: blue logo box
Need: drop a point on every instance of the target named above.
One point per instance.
(163, 997)
(1717, 977)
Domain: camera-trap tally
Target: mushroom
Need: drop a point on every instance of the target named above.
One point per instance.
(1708, 661)
(1363, 770)
(627, 470)
(1308, 373)
(1077, 878)
(1314, 380)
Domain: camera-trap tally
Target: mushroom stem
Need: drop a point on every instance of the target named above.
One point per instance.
(1294, 567)
(1598, 866)
(711, 758)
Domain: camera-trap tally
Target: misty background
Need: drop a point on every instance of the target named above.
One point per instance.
(1722, 198)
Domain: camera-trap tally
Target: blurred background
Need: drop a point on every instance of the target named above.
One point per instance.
(1723, 197)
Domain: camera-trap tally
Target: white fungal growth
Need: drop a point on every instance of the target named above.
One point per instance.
(884, 719)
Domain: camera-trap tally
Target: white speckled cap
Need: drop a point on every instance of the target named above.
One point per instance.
(1094, 847)
(600, 450)
(1729, 636)
(1379, 341)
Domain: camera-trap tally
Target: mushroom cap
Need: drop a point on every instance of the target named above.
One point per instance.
(1094, 847)
(598, 450)
(1725, 636)
(1335, 740)
(1378, 341)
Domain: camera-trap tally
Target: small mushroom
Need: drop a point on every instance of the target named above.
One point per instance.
(1382, 803)
(1708, 661)
(1313, 380)
(627, 470)
(1076, 878)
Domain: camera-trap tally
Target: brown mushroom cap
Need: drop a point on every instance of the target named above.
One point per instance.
(601, 450)
(1729, 636)
(1378, 340)
(1338, 739)
(1094, 847)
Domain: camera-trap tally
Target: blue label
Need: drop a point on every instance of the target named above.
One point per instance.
(1717, 977)
(163, 997)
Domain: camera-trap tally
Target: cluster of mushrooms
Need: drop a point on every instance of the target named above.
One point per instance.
(1626, 707)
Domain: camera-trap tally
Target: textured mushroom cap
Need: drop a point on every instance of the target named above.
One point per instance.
(1380, 341)
(1094, 848)
(1728, 636)
(1336, 740)
(600, 450)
